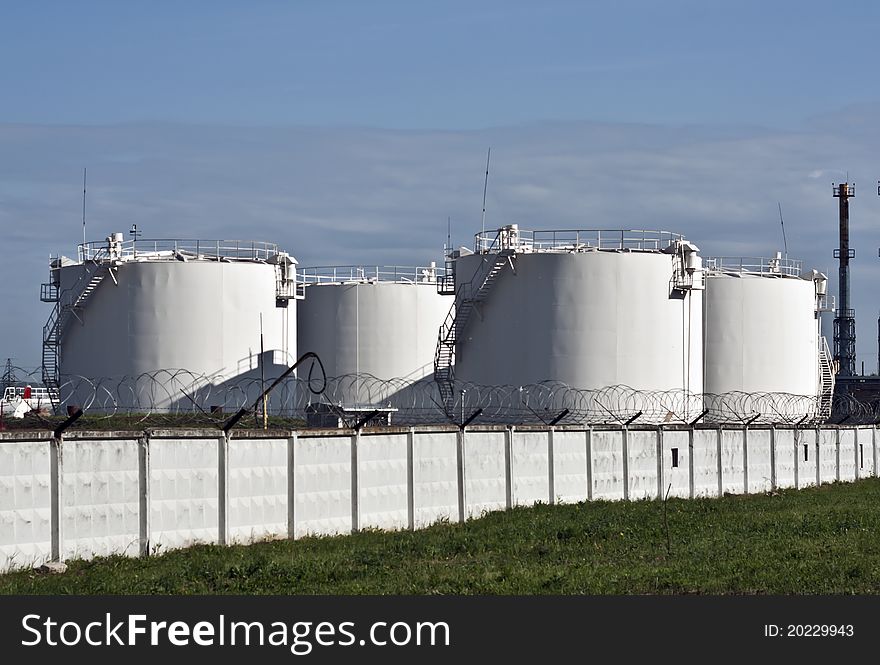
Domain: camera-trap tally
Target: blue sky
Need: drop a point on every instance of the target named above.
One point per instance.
(439, 65)
(349, 131)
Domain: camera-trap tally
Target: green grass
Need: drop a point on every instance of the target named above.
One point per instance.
(813, 541)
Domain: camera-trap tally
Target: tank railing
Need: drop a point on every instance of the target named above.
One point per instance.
(754, 265)
(38, 394)
(212, 250)
(826, 303)
(574, 240)
(466, 290)
(48, 292)
(362, 273)
(99, 252)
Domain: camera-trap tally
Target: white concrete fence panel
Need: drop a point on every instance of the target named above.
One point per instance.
(257, 489)
(99, 493)
(26, 498)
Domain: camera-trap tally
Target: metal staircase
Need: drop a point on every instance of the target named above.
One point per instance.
(467, 296)
(826, 380)
(68, 304)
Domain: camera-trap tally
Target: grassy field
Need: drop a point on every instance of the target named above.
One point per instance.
(820, 540)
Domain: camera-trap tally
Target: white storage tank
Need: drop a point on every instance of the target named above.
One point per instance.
(371, 324)
(590, 309)
(144, 319)
(765, 358)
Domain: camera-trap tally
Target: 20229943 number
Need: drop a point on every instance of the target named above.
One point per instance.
(819, 630)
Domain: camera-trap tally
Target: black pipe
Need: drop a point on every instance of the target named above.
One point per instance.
(67, 423)
(367, 418)
(561, 415)
(472, 416)
(699, 417)
(633, 419)
(229, 424)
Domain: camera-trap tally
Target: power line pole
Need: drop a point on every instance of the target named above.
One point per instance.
(8, 377)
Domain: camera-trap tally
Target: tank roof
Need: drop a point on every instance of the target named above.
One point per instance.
(573, 240)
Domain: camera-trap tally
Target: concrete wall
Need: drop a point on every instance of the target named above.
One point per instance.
(94, 494)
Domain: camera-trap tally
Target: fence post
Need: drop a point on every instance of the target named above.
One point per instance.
(56, 500)
(508, 467)
(589, 450)
(223, 488)
(874, 450)
(625, 446)
(551, 473)
(796, 435)
(410, 480)
(144, 494)
(837, 453)
(660, 462)
(746, 459)
(355, 504)
(460, 476)
(856, 451)
(291, 486)
(818, 458)
(691, 489)
(720, 465)
(773, 458)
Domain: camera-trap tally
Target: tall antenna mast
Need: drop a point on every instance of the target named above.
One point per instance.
(448, 235)
(784, 242)
(84, 205)
(263, 376)
(485, 187)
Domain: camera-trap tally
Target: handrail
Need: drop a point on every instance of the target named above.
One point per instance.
(212, 250)
(461, 289)
(362, 273)
(754, 265)
(574, 240)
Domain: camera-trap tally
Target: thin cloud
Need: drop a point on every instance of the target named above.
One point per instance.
(373, 196)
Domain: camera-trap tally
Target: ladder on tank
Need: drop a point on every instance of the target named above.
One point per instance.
(826, 380)
(66, 306)
(466, 299)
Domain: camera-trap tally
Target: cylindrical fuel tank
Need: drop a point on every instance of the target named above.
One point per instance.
(186, 318)
(371, 325)
(588, 309)
(761, 336)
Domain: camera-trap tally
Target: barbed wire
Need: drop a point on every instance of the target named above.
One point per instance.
(179, 397)
(848, 409)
